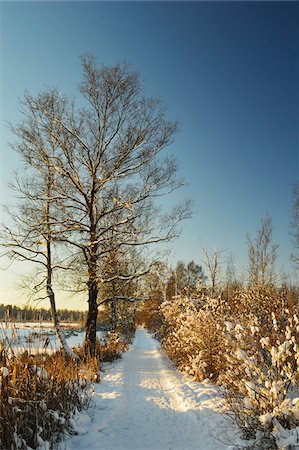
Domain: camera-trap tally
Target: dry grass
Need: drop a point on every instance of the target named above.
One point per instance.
(39, 393)
(107, 351)
(41, 389)
(111, 350)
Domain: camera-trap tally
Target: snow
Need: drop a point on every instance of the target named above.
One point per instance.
(266, 420)
(144, 403)
(36, 337)
(4, 372)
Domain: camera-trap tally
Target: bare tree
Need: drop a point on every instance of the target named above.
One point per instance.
(161, 273)
(295, 226)
(35, 226)
(213, 265)
(116, 290)
(109, 171)
(231, 273)
(185, 279)
(262, 255)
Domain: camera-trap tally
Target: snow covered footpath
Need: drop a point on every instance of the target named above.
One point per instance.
(144, 403)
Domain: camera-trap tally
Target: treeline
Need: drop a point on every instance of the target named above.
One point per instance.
(29, 313)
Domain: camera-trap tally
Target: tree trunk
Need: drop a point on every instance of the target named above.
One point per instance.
(113, 315)
(59, 332)
(49, 239)
(91, 322)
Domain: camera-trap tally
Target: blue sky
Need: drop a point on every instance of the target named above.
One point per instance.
(227, 70)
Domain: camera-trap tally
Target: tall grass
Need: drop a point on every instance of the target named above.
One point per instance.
(39, 393)
(41, 388)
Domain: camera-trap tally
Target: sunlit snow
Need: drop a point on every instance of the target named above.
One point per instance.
(144, 403)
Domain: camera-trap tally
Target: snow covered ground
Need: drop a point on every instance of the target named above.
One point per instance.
(144, 403)
(37, 336)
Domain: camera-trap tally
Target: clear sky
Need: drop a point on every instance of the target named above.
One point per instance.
(227, 70)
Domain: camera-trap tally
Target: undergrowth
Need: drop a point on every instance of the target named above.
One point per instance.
(248, 343)
(38, 396)
(40, 392)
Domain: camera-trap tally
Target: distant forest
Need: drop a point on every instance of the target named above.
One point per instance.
(29, 313)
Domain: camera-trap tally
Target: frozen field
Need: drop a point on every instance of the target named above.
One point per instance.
(38, 336)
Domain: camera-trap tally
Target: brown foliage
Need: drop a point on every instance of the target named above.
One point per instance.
(38, 396)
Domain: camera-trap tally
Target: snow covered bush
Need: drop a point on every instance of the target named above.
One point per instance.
(258, 302)
(193, 338)
(262, 374)
(248, 342)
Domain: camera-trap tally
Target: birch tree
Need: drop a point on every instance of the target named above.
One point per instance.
(262, 255)
(34, 226)
(295, 226)
(213, 264)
